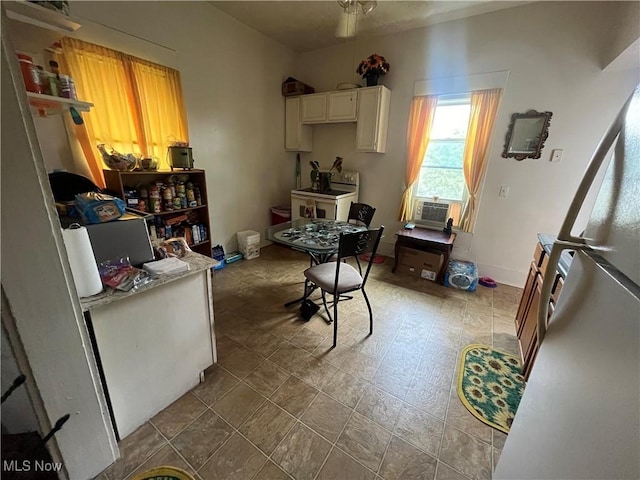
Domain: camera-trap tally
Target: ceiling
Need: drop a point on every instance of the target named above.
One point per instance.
(309, 25)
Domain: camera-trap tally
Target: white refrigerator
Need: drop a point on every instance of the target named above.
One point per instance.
(579, 417)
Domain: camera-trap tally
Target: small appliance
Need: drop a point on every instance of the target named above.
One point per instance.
(180, 157)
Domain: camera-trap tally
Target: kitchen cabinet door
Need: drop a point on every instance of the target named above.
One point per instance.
(342, 106)
(525, 299)
(297, 137)
(314, 108)
(529, 335)
(373, 119)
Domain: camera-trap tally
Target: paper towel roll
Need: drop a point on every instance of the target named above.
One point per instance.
(83, 262)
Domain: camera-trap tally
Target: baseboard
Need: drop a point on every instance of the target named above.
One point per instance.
(507, 276)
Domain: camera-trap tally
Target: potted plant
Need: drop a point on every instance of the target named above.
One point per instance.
(321, 180)
(373, 67)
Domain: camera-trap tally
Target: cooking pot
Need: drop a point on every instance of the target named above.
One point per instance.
(180, 157)
(324, 180)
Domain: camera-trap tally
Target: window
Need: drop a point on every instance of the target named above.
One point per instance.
(138, 105)
(448, 142)
(441, 174)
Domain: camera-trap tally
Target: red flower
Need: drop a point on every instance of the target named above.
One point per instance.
(373, 65)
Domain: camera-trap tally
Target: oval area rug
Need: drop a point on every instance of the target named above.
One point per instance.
(163, 473)
(490, 385)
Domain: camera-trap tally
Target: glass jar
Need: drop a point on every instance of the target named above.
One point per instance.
(64, 86)
(43, 80)
(30, 74)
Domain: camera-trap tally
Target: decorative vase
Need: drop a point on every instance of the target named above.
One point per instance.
(372, 80)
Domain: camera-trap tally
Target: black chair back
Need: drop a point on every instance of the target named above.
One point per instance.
(356, 244)
(361, 212)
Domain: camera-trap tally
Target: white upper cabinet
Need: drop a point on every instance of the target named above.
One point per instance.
(297, 137)
(342, 106)
(368, 107)
(330, 107)
(373, 119)
(314, 108)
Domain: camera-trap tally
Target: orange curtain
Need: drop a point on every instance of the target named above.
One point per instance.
(484, 107)
(423, 110)
(138, 105)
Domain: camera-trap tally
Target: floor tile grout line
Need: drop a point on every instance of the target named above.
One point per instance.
(149, 455)
(387, 340)
(173, 446)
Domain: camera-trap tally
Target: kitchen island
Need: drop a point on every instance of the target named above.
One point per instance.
(153, 344)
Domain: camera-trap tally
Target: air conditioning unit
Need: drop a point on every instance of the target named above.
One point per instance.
(436, 214)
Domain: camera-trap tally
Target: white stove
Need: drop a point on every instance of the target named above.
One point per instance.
(333, 205)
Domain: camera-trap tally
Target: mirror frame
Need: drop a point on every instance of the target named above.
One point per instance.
(544, 133)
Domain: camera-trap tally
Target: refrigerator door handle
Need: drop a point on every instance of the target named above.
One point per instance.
(565, 240)
(590, 174)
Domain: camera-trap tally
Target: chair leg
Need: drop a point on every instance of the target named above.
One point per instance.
(306, 289)
(335, 319)
(326, 308)
(366, 299)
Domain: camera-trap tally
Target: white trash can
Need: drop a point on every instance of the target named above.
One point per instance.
(249, 243)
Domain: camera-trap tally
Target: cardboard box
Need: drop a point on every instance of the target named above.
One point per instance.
(420, 264)
(291, 86)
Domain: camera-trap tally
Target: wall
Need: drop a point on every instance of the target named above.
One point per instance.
(553, 53)
(231, 78)
(17, 413)
(40, 295)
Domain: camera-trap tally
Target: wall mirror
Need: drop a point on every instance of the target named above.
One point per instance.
(526, 135)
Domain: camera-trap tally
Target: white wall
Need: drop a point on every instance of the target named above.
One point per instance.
(553, 53)
(231, 78)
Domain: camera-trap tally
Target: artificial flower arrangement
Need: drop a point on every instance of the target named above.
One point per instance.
(373, 65)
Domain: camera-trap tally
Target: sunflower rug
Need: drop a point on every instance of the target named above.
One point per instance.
(490, 385)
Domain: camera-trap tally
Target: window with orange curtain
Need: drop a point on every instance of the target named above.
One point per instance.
(138, 105)
(455, 161)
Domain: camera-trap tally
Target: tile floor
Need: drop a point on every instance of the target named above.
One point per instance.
(280, 403)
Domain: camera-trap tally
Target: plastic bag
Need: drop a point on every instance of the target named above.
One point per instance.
(123, 276)
(461, 274)
(172, 247)
(97, 207)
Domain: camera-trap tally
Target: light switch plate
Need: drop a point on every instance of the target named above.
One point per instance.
(504, 191)
(556, 155)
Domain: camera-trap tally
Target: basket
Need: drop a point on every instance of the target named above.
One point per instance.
(118, 161)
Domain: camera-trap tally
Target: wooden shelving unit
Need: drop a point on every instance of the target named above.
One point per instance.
(118, 182)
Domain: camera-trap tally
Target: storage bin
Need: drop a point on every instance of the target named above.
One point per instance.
(280, 214)
(249, 243)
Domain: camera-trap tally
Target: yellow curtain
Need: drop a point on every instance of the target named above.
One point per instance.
(484, 106)
(164, 116)
(138, 105)
(423, 110)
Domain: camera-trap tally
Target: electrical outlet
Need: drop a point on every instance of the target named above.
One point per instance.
(504, 191)
(556, 155)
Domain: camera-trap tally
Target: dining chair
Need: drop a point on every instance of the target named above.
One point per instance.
(338, 278)
(361, 212)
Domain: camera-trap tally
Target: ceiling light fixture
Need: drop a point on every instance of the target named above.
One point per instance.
(367, 6)
(348, 19)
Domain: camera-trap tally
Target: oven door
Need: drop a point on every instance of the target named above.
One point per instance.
(302, 205)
